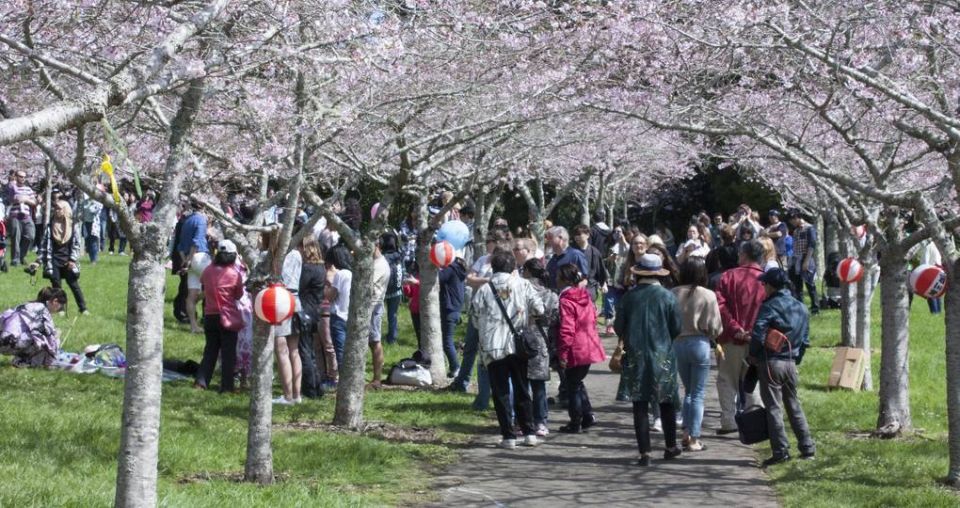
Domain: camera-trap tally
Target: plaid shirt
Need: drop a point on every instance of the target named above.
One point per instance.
(804, 241)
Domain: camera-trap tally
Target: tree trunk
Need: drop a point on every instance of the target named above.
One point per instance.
(536, 227)
(585, 205)
(350, 389)
(140, 425)
(831, 233)
(848, 298)
(864, 297)
(894, 413)
(952, 319)
(259, 464)
(431, 334)
(820, 252)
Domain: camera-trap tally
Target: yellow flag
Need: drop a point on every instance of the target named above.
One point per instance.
(107, 167)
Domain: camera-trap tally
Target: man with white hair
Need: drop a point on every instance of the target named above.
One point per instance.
(563, 255)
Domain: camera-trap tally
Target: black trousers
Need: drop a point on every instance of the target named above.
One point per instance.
(180, 301)
(641, 424)
(310, 376)
(579, 404)
(502, 373)
(65, 273)
(220, 342)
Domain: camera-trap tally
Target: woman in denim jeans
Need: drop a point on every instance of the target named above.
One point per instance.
(700, 318)
(337, 292)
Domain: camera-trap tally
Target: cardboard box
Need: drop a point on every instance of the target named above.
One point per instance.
(848, 369)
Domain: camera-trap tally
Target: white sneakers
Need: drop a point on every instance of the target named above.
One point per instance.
(510, 444)
(283, 401)
(542, 430)
(656, 427)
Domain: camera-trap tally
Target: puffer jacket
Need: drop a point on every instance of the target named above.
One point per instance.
(578, 342)
(520, 300)
(538, 367)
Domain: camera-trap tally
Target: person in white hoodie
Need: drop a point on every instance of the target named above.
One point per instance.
(497, 350)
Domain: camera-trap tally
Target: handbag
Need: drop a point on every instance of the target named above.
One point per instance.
(524, 342)
(409, 373)
(751, 421)
(616, 359)
(775, 340)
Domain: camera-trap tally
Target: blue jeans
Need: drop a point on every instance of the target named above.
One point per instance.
(482, 401)
(935, 305)
(693, 362)
(449, 321)
(610, 299)
(92, 242)
(338, 334)
(539, 390)
(393, 305)
(471, 343)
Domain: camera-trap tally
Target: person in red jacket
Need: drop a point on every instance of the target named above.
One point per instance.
(739, 296)
(222, 320)
(578, 346)
(411, 290)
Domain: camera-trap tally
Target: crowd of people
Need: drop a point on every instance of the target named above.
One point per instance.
(529, 309)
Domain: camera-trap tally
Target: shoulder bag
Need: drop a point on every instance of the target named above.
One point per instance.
(524, 342)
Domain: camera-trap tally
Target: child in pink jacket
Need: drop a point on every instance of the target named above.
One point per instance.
(578, 346)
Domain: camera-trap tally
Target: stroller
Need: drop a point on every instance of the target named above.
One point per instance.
(3, 245)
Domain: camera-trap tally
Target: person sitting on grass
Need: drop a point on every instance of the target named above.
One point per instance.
(28, 332)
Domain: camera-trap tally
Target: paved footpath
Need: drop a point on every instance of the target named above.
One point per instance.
(599, 467)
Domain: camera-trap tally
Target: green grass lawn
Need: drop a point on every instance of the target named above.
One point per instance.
(851, 469)
(60, 431)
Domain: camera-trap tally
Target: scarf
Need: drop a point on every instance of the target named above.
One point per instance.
(62, 222)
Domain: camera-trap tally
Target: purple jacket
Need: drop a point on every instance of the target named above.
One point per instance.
(29, 335)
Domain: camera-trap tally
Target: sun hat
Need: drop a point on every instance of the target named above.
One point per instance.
(649, 265)
(227, 246)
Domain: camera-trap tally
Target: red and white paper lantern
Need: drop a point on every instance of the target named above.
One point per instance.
(274, 304)
(850, 270)
(442, 254)
(928, 281)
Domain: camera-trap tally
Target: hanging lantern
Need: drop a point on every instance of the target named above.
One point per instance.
(274, 304)
(442, 254)
(928, 281)
(850, 270)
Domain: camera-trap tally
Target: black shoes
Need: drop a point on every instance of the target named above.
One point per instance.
(808, 456)
(776, 459)
(571, 429)
(671, 453)
(723, 432)
(588, 421)
(644, 461)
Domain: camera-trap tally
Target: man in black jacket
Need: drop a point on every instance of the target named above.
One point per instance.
(781, 313)
(596, 273)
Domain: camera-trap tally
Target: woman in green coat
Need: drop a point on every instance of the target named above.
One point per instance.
(647, 321)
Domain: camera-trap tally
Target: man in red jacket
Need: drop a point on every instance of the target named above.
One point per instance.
(739, 294)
